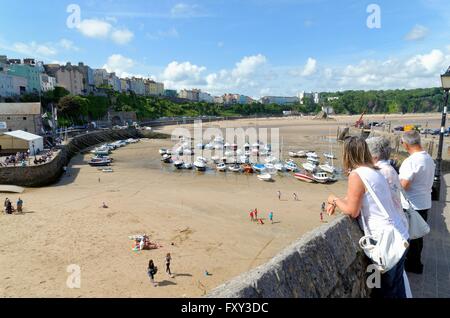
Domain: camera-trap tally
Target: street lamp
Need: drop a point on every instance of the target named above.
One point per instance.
(445, 79)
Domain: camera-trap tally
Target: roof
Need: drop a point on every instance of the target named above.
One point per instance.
(22, 135)
(20, 108)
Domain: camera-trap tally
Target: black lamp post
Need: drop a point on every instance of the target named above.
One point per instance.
(445, 78)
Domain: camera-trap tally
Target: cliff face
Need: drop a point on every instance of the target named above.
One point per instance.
(325, 263)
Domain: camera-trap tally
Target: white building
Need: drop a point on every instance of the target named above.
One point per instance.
(48, 83)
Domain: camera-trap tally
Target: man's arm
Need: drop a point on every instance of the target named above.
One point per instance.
(405, 184)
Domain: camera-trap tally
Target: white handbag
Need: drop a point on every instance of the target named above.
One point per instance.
(387, 248)
(417, 226)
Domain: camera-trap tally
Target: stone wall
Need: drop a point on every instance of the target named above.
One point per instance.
(324, 263)
(46, 174)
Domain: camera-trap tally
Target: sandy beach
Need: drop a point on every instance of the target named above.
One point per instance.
(205, 216)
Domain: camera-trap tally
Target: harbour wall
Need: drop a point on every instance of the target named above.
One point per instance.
(326, 263)
(46, 174)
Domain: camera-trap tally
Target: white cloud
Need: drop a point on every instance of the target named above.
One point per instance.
(184, 10)
(418, 32)
(122, 36)
(170, 33)
(248, 65)
(185, 74)
(310, 67)
(120, 65)
(68, 45)
(93, 28)
(100, 29)
(33, 49)
(428, 63)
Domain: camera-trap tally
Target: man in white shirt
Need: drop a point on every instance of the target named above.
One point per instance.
(416, 177)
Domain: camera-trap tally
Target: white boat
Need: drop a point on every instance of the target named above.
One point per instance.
(200, 165)
(132, 141)
(187, 152)
(202, 159)
(279, 166)
(162, 151)
(293, 154)
(312, 154)
(166, 158)
(313, 161)
(99, 162)
(321, 177)
(301, 154)
(327, 167)
(291, 166)
(215, 159)
(270, 168)
(178, 164)
(265, 177)
(271, 159)
(188, 166)
(308, 166)
(235, 168)
(329, 155)
(221, 167)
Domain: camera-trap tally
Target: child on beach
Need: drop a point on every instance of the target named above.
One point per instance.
(256, 214)
(295, 197)
(19, 205)
(279, 195)
(168, 259)
(252, 218)
(271, 217)
(151, 271)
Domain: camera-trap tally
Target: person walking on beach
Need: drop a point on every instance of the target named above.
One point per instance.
(252, 216)
(168, 260)
(416, 178)
(19, 205)
(271, 217)
(256, 214)
(151, 271)
(295, 197)
(5, 205)
(279, 195)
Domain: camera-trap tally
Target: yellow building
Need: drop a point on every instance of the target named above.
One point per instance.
(153, 88)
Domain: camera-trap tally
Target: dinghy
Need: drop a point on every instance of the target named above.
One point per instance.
(265, 177)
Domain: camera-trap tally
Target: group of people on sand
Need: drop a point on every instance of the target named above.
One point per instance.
(254, 217)
(152, 269)
(9, 208)
(378, 196)
(144, 243)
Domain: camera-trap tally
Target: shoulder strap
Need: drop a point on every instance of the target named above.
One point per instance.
(374, 197)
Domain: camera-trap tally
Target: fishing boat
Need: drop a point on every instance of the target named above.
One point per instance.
(200, 165)
(312, 154)
(293, 154)
(178, 164)
(166, 158)
(247, 168)
(321, 177)
(221, 167)
(100, 162)
(305, 177)
(258, 167)
(301, 154)
(265, 177)
(279, 166)
(291, 166)
(327, 167)
(308, 166)
(235, 168)
(270, 168)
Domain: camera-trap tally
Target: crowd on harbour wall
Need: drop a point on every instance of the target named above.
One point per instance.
(324, 263)
(46, 174)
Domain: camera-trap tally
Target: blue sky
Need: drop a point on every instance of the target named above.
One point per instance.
(253, 47)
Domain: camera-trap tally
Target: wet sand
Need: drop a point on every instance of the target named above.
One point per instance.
(206, 216)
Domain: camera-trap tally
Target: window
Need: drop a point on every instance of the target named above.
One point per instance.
(24, 118)
(8, 118)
